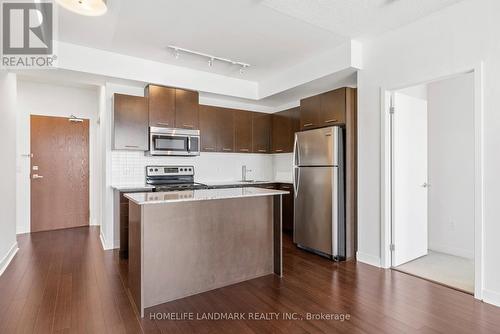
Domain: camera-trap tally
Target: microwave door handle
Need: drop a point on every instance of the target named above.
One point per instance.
(189, 144)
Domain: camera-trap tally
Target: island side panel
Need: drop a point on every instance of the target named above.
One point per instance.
(135, 256)
(277, 235)
(193, 247)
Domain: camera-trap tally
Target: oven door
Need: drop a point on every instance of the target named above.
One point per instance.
(173, 144)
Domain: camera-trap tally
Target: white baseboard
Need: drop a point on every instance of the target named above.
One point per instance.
(491, 297)
(368, 259)
(4, 263)
(453, 251)
(104, 244)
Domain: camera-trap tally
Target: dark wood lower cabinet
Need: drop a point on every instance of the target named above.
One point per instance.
(286, 205)
(122, 218)
(123, 226)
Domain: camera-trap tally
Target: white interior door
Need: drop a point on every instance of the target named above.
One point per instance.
(409, 230)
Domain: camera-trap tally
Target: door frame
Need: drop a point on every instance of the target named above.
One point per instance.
(386, 161)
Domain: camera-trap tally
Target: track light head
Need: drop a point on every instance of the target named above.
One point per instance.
(242, 68)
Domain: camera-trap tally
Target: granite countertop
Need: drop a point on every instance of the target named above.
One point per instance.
(200, 195)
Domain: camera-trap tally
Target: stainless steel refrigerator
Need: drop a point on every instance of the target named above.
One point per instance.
(319, 217)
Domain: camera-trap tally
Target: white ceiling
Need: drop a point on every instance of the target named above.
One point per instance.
(271, 35)
(241, 30)
(358, 18)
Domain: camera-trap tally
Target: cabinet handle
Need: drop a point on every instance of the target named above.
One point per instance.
(227, 149)
(162, 123)
(209, 149)
(188, 126)
(307, 124)
(278, 151)
(244, 149)
(131, 146)
(331, 121)
(262, 150)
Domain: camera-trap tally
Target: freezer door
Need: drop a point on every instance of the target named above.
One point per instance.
(318, 147)
(316, 209)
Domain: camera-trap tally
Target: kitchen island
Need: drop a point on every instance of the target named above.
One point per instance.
(186, 242)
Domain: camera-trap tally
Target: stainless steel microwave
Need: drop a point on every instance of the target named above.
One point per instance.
(168, 141)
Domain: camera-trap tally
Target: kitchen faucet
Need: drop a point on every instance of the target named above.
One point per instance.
(244, 172)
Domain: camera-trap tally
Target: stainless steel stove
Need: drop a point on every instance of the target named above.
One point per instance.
(172, 178)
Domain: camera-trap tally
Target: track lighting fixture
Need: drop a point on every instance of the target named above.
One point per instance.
(211, 59)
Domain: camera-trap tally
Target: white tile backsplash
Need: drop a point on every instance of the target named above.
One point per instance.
(129, 167)
(282, 166)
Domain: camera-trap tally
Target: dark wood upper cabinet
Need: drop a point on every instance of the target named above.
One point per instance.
(261, 133)
(323, 110)
(243, 131)
(284, 125)
(186, 109)
(281, 129)
(161, 103)
(333, 107)
(225, 130)
(130, 122)
(310, 109)
(208, 128)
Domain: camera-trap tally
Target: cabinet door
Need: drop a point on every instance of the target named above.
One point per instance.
(161, 103)
(130, 123)
(261, 133)
(310, 109)
(287, 207)
(225, 130)
(186, 109)
(243, 131)
(208, 128)
(280, 133)
(333, 106)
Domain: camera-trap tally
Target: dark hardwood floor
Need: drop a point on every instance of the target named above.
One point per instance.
(63, 282)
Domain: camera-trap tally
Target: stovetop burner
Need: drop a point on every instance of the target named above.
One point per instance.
(172, 178)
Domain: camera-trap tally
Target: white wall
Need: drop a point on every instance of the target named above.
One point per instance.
(451, 165)
(450, 41)
(8, 243)
(35, 98)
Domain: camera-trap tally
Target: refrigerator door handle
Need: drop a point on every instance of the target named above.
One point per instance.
(296, 180)
(296, 154)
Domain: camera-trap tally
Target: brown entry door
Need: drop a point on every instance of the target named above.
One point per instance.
(59, 173)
